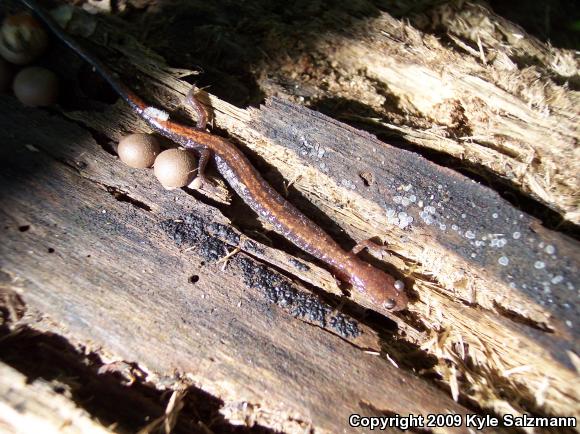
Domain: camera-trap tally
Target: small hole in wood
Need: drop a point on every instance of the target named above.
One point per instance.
(368, 178)
(194, 279)
(50, 250)
(24, 228)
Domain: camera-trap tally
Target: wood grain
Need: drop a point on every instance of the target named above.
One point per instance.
(106, 272)
(129, 269)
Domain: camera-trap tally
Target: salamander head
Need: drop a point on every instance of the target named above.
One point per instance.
(381, 287)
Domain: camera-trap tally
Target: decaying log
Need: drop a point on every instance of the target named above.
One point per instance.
(131, 271)
(488, 94)
(110, 274)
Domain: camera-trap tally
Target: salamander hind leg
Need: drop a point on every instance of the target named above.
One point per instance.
(202, 182)
(374, 248)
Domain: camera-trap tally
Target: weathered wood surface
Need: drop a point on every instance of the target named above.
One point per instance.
(469, 85)
(109, 275)
(36, 407)
(504, 335)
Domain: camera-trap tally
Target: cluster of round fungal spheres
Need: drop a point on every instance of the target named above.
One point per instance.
(23, 40)
(174, 168)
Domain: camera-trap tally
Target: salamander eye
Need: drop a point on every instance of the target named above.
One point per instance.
(389, 303)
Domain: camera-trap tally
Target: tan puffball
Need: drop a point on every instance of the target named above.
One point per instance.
(36, 87)
(175, 168)
(138, 150)
(22, 39)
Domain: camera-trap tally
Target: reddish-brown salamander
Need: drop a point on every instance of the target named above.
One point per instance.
(382, 288)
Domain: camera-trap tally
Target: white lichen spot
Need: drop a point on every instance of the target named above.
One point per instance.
(413, 198)
(557, 279)
(474, 255)
(405, 201)
(569, 323)
(513, 285)
(404, 220)
(430, 209)
(442, 226)
(550, 249)
(428, 220)
(394, 221)
(397, 199)
(463, 216)
(516, 235)
(407, 187)
(469, 235)
(391, 212)
(420, 204)
(399, 285)
(495, 215)
(541, 245)
(348, 184)
(455, 227)
(503, 260)
(538, 265)
(498, 242)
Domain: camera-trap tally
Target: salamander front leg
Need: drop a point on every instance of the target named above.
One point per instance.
(372, 247)
(199, 109)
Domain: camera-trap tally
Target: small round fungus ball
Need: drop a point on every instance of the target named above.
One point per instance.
(22, 39)
(5, 75)
(36, 86)
(175, 168)
(138, 150)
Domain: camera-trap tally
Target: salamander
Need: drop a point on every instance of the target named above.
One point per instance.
(382, 288)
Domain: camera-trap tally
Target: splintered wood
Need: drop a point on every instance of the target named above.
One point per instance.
(100, 254)
(497, 100)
